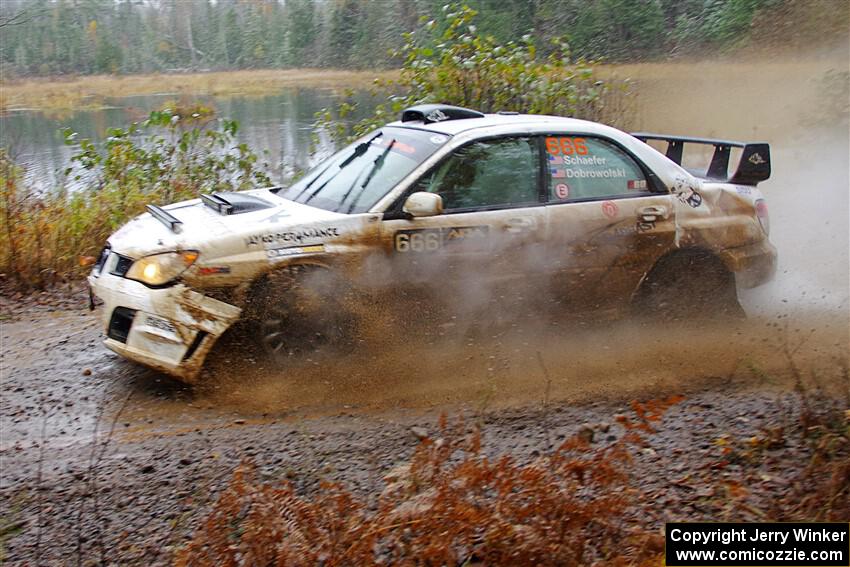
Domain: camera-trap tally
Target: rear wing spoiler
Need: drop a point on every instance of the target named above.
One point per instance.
(753, 167)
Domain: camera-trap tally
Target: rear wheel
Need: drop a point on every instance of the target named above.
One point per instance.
(299, 311)
(690, 285)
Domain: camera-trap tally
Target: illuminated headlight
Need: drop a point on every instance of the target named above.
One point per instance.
(160, 269)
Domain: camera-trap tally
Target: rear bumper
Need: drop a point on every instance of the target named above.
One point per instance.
(753, 265)
(170, 329)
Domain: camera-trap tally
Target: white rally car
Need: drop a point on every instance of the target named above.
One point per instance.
(445, 193)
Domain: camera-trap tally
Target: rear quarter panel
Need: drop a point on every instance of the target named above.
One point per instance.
(718, 216)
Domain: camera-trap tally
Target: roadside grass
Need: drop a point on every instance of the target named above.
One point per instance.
(10, 524)
(61, 95)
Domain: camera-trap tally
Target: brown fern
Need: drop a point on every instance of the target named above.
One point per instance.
(451, 505)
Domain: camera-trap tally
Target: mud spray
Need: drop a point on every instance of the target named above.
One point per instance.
(800, 108)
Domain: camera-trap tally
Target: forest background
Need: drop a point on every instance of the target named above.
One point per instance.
(61, 37)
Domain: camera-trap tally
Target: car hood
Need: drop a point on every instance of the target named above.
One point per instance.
(205, 229)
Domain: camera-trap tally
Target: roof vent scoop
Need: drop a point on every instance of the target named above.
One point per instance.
(233, 203)
(431, 113)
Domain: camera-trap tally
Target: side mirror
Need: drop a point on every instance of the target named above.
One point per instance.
(422, 204)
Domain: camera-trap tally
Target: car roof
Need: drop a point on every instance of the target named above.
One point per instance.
(457, 126)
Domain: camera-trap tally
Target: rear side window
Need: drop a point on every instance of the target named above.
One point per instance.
(583, 168)
(487, 174)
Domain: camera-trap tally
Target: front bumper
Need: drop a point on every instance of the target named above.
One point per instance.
(170, 329)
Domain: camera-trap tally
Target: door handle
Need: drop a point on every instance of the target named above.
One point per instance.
(519, 225)
(653, 213)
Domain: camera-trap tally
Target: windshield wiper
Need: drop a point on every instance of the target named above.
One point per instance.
(358, 151)
(376, 165)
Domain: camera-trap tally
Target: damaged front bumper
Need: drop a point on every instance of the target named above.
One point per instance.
(169, 329)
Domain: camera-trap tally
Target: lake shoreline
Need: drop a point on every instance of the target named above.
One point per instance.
(88, 92)
(61, 94)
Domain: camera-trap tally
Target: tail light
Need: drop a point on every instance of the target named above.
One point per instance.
(761, 214)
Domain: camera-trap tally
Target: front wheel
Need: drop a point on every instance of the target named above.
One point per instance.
(300, 311)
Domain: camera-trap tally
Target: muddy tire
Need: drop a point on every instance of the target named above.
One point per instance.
(300, 311)
(688, 286)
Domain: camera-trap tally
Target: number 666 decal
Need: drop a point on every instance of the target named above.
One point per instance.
(418, 240)
(433, 239)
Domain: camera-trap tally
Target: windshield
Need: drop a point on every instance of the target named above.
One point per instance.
(354, 179)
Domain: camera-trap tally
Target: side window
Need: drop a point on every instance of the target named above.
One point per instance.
(590, 168)
(489, 173)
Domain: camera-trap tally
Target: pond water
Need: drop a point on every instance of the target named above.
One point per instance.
(280, 124)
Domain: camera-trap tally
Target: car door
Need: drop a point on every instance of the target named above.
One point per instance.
(494, 219)
(609, 219)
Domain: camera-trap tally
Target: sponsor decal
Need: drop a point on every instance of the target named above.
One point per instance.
(686, 192)
(636, 184)
(694, 199)
(756, 159)
(639, 227)
(274, 253)
(293, 236)
(437, 115)
(213, 270)
(397, 146)
(744, 190)
(610, 209)
(159, 323)
(644, 226)
(466, 232)
(438, 139)
(562, 191)
(433, 239)
(276, 217)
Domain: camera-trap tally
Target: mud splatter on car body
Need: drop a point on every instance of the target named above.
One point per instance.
(532, 202)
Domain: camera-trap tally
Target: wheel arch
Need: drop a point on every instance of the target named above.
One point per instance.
(703, 255)
(248, 290)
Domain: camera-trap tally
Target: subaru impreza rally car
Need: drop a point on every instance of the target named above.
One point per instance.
(444, 193)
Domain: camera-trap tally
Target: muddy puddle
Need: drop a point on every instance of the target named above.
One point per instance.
(523, 366)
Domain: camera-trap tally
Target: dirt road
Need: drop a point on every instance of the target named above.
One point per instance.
(108, 457)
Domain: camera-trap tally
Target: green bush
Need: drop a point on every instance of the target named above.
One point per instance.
(175, 154)
(451, 62)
